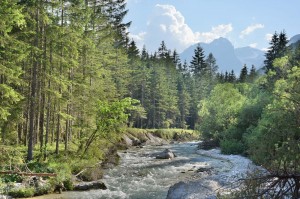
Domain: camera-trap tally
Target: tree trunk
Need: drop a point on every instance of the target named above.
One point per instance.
(33, 94)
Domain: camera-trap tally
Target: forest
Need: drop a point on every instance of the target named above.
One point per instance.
(72, 81)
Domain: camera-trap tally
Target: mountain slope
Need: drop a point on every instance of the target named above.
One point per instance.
(228, 58)
(250, 56)
(294, 39)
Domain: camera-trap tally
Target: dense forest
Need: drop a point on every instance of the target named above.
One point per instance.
(70, 78)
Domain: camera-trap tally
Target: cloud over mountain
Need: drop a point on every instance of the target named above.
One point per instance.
(251, 29)
(169, 24)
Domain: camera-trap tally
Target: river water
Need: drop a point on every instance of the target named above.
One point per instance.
(141, 176)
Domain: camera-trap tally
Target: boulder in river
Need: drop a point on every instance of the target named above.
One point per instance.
(187, 190)
(166, 154)
(83, 186)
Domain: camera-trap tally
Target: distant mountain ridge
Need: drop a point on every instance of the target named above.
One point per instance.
(294, 39)
(228, 58)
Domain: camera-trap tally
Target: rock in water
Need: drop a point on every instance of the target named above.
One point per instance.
(192, 190)
(166, 154)
(90, 185)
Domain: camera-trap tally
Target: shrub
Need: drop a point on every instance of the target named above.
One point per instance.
(42, 190)
(12, 178)
(21, 192)
(232, 146)
(68, 184)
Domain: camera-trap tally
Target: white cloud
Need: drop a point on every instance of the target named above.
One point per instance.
(254, 45)
(268, 36)
(250, 29)
(163, 27)
(138, 38)
(265, 49)
(169, 24)
(216, 32)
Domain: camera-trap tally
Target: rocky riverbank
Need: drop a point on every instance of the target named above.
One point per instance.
(90, 178)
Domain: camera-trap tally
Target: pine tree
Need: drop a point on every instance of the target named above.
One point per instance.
(162, 51)
(198, 65)
(231, 77)
(211, 65)
(12, 54)
(115, 11)
(277, 49)
(252, 75)
(226, 76)
(183, 102)
(243, 74)
(133, 51)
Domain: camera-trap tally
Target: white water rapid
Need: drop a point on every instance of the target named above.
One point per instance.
(141, 176)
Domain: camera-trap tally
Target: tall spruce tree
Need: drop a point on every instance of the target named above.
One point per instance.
(231, 77)
(212, 66)
(243, 74)
(198, 65)
(12, 54)
(252, 74)
(277, 49)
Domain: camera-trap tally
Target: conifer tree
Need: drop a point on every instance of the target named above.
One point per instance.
(252, 75)
(211, 65)
(243, 74)
(12, 53)
(231, 77)
(277, 49)
(198, 64)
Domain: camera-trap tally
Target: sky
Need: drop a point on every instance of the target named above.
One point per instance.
(181, 23)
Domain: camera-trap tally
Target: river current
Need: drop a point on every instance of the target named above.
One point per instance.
(141, 176)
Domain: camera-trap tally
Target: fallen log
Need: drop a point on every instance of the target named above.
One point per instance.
(27, 174)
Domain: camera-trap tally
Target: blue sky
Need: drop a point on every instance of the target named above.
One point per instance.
(181, 23)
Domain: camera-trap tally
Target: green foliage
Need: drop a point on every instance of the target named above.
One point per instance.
(243, 74)
(11, 178)
(278, 48)
(65, 78)
(232, 146)
(112, 115)
(220, 110)
(176, 134)
(68, 184)
(22, 192)
(63, 171)
(274, 141)
(167, 134)
(40, 167)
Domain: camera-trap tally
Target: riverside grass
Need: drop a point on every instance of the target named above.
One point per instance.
(167, 134)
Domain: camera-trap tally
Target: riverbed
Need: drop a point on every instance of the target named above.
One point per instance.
(141, 176)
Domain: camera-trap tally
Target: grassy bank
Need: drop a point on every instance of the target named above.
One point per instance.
(166, 134)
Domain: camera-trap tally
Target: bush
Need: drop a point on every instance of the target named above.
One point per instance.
(21, 192)
(68, 184)
(39, 167)
(12, 178)
(42, 190)
(232, 146)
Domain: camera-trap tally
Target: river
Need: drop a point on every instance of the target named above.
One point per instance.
(140, 176)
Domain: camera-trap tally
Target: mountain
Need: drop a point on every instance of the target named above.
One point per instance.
(250, 56)
(228, 58)
(294, 39)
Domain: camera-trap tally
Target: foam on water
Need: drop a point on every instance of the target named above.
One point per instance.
(141, 176)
